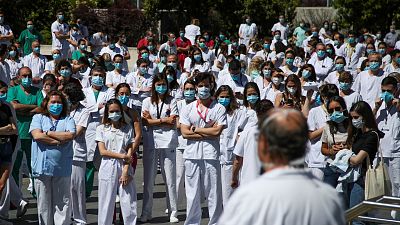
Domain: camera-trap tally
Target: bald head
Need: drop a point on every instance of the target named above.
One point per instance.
(285, 135)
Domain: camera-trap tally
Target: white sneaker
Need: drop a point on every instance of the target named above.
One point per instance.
(173, 219)
(117, 199)
(30, 187)
(5, 222)
(144, 218)
(166, 211)
(21, 210)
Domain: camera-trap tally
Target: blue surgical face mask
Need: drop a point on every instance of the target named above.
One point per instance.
(97, 81)
(289, 61)
(143, 70)
(203, 92)
(12, 53)
(170, 78)
(181, 34)
(252, 99)
(56, 56)
(150, 47)
(381, 51)
(3, 97)
(344, 86)
(374, 65)
(202, 45)
(172, 64)
(65, 72)
(26, 82)
(337, 117)
(55, 108)
(224, 101)
(161, 89)
(163, 59)
(145, 55)
(115, 116)
(369, 51)
(235, 77)
(351, 40)
(318, 100)
(277, 37)
(329, 51)
(197, 58)
(358, 123)
(267, 73)
(254, 74)
(83, 47)
(36, 49)
(189, 95)
(339, 67)
(267, 46)
(118, 66)
(306, 74)
(60, 17)
(387, 96)
(321, 53)
(123, 99)
(398, 61)
(222, 37)
(314, 34)
(111, 46)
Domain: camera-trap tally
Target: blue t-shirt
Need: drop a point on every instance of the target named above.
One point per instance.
(52, 160)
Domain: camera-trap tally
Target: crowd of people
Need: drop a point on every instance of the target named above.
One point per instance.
(284, 120)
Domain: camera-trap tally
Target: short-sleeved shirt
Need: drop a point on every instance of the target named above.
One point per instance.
(367, 142)
(316, 119)
(35, 97)
(190, 116)
(52, 160)
(36, 64)
(5, 115)
(114, 78)
(61, 28)
(27, 37)
(352, 99)
(137, 83)
(331, 139)
(368, 86)
(81, 118)
(388, 119)
(300, 36)
(164, 137)
(5, 30)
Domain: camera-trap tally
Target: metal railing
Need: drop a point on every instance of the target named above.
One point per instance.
(385, 203)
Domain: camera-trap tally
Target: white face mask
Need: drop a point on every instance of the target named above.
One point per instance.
(358, 123)
(292, 90)
(276, 80)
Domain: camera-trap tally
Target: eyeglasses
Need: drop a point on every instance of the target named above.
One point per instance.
(336, 109)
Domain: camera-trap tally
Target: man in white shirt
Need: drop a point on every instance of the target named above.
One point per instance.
(121, 48)
(192, 30)
(296, 191)
(170, 45)
(367, 83)
(247, 31)
(98, 41)
(36, 62)
(388, 118)
(352, 53)
(208, 55)
(235, 79)
(6, 34)
(60, 35)
(394, 66)
(322, 64)
(4, 66)
(282, 27)
(338, 44)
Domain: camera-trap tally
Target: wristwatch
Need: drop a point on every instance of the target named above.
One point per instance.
(193, 129)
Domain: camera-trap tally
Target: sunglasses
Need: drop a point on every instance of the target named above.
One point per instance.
(336, 109)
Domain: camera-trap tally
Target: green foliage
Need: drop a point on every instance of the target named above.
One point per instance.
(373, 14)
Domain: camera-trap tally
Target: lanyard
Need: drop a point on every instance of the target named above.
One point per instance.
(53, 125)
(204, 118)
(159, 112)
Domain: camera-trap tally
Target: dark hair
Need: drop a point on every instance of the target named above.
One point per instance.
(233, 103)
(98, 69)
(234, 65)
(390, 81)
(246, 88)
(3, 84)
(205, 76)
(45, 102)
(61, 63)
(50, 77)
(74, 93)
(81, 40)
(333, 127)
(313, 76)
(83, 60)
(174, 84)
(328, 91)
(121, 85)
(106, 120)
(364, 110)
(140, 61)
(195, 49)
(340, 57)
(118, 56)
(154, 95)
(262, 108)
(344, 75)
(294, 78)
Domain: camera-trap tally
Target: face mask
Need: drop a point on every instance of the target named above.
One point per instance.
(314, 34)
(123, 99)
(351, 40)
(145, 55)
(248, 21)
(281, 20)
(234, 44)
(26, 82)
(237, 57)
(339, 67)
(276, 81)
(357, 123)
(224, 101)
(65, 72)
(267, 46)
(163, 59)
(123, 40)
(97, 81)
(387, 96)
(83, 47)
(118, 66)
(161, 89)
(374, 65)
(398, 61)
(170, 78)
(369, 51)
(382, 51)
(292, 90)
(301, 24)
(172, 40)
(143, 70)
(392, 31)
(336, 42)
(197, 58)
(306, 74)
(289, 62)
(235, 77)
(60, 17)
(378, 36)
(111, 46)
(56, 56)
(172, 64)
(243, 70)
(115, 116)
(189, 95)
(55, 109)
(150, 47)
(206, 37)
(203, 92)
(36, 50)
(329, 51)
(321, 53)
(366, 68)
(326, 26)
(277, 37)
(337, 117)
(109, 66)
(344, 86)
(30, 27)
(254, 74)
(318, 101)
(202, 45)
(3, 97)
(222, 37)
(182, 34)
(333, 27)
(12, 53)
(252, 99)
(267, 73)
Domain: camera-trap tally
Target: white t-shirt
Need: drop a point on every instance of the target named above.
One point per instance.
(36, 64)
(317, 118)
(388, 120)
(164, 137)
(227, 80)
(327, 136)
(81, 118)
(282, 28)
(171, 49)
(266, 56)
(322, 67)
(389, 68)
(270, 94)
(352, 99)
(333, 78)
(369, 86)
(114, 78)
(284, 196)
(208, 55)
(63, 29)
(288, 71)
(137, 84)
(191, 31)
(203, 148)
(50, 66)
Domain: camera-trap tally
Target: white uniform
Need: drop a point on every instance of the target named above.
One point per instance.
(283, 28)
(113, 78)
(191, 31)
(171, 49)
(36, 64)
(270, 93)
(369, 86)
(50, 66)
(98, 41)
(5, 30)
(287, 71)
(122, 50)
(78, 175)
(266, 56)
(61, 44)
(202, 169)
(296, 194)
(247, 32)
(352, 55)
(235, 124)
(163, 146)
(322, 67)
(5, 72)
(137, 84)
(333, 78)
(352, 99)
(14, 67)
(227, 80)
(115, 140)
(389, 68)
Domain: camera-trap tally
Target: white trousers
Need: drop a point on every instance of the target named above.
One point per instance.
(226, 179)
(53, 196)
(109, 186)
(202, 174)
(167, 159)
(78, 193)
(180, 175)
